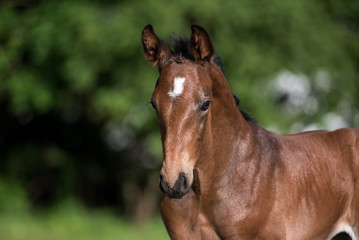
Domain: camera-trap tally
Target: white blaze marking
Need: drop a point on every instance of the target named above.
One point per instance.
(177, 87)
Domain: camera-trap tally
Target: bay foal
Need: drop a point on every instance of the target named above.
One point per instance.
(227, 178)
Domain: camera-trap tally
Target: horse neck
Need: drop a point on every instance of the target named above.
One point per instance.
(226, 117)
(227, 133)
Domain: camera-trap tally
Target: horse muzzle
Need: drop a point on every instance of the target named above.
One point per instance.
(180, 188)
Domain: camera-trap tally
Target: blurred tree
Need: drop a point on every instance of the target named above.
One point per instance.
(74, 85)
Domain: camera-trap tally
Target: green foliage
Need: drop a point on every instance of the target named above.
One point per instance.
(70, 221)
(74, 85)
(12, 198)
(54, 52)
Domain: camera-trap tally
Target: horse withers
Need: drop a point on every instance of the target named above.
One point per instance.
(227, 178)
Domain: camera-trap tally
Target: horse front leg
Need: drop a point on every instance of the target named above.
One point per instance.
(180, 217)
(184, 220)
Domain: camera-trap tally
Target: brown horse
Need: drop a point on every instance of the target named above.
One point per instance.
(227, 178)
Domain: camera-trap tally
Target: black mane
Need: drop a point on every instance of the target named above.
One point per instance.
(181, 50)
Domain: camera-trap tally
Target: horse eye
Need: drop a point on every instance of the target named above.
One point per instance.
(153, 106)
(205, 105)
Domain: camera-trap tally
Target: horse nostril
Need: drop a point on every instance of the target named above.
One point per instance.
(185, 185)
(182, 184)
(163, 184)
(180, 188)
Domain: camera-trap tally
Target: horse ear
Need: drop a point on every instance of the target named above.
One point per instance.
(154, 48)
(201, 45)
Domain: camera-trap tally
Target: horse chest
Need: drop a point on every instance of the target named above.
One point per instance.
(236, 218)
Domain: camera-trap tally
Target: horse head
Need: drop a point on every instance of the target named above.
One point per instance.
(183, 99)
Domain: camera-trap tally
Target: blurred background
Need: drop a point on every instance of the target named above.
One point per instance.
(80, 149)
